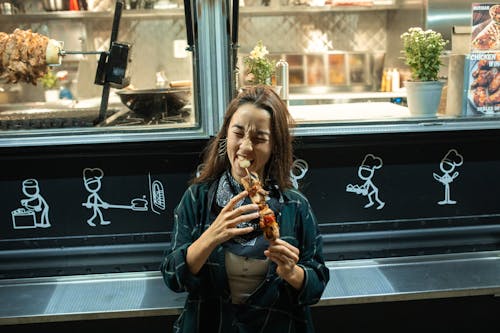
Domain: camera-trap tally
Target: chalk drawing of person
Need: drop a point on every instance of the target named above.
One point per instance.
(35, 202)
(450, 161)
(92, 180)
(298, 171)
(366, 171)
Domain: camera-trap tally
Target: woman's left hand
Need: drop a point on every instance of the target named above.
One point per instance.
(286, 257)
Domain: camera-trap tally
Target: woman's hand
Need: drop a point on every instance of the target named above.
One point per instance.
(225, 225)
(286, 257)
(221, 230)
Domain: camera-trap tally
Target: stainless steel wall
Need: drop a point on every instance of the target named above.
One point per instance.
(349, 30)
(442, 15)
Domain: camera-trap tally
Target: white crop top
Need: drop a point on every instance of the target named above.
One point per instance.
(244, 275)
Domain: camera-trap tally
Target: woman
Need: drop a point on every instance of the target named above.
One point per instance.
(236, 280)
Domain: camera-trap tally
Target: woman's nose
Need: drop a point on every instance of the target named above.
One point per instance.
(247, 143)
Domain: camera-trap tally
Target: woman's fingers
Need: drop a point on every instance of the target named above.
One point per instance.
(244, 213)
(284, 263)
(284, 258)
(241, 231)
(234, 200)
(281, 247)
(243, 218)
(226, 224)
(285, 255)
(245, 209)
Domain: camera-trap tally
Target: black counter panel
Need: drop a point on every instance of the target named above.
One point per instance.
(132, 195)
(405, 181)
(140, 184)
(415, 212)
(89, 211)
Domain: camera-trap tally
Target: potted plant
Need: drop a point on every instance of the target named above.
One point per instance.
(422, 51)
(49, 81)
(259, 69)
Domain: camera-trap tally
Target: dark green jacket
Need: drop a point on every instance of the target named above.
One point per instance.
(275, 306)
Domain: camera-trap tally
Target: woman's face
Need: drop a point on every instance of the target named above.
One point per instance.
(249, 137)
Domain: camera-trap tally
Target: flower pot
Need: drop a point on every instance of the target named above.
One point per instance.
(423, 97)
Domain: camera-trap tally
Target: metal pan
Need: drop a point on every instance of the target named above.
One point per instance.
(151, 102)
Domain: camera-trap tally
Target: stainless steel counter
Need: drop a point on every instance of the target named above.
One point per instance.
(144, 294)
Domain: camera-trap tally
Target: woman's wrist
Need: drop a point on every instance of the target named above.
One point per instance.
(296, 277)
(198, 253)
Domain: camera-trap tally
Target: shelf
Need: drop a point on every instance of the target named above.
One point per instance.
(86, 15)
(349, 95)
(179, 12)
(295, 10)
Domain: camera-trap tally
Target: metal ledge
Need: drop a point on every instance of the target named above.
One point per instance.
(142, 294)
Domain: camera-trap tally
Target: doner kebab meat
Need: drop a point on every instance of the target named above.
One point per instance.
(25, 55)
(257, 194)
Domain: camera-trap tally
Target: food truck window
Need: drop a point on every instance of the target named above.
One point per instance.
(346, 68)
(148, 70)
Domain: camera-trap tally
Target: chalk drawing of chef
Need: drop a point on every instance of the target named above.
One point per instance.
(36, 203)
(365, 172)
(92, 180)
(450, 161)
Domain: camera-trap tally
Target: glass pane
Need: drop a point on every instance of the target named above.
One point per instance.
(160, 72)
(337, 57)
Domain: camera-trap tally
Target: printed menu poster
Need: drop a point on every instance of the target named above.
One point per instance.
(483, 80)
(485, 27)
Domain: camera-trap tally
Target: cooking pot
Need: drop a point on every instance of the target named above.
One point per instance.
(150, 102)
(54, 5)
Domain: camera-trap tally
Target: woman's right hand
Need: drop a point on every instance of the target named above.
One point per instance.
(225, 225)
(222, 229)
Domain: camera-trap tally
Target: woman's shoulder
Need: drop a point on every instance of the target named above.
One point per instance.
(198, 188)
(295, 195)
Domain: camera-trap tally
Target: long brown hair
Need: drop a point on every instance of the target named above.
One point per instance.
(280, 162)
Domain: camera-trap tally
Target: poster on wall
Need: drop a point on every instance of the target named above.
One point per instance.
(483, 83)
(485, 27)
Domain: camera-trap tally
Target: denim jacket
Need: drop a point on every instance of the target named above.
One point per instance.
(275, 306)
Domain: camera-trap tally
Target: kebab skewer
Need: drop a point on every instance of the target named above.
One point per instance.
(26, 55)
(257, 194)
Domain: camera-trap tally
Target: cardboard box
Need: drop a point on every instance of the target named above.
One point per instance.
(485, 27)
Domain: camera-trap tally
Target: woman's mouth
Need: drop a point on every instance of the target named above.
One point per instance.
(243, 162)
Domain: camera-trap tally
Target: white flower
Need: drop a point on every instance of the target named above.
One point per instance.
(259, 69)
(259, 51)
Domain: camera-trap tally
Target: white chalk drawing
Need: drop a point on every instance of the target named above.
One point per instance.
(92, 180)
(365, 172)
(156, 195)
(450, 161)
(299, 170)
(35, 210)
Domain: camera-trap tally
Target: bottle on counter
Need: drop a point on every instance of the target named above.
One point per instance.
(282, 79)
(383, 81)
(388, 80)
(64, 91)
(395, 78)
